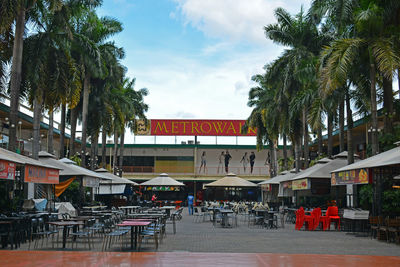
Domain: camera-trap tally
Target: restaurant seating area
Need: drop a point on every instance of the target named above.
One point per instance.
(230, 214)
(126, 228)
(381, 228)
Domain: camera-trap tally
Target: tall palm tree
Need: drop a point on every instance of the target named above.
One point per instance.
(368, 43)
(90, 44)
(18, 13)
(305, 41)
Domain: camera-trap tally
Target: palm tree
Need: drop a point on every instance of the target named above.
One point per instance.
(135, 109)
(297, 66)
(90, 45)
(15, 12)
(49, 71)
(369, 43)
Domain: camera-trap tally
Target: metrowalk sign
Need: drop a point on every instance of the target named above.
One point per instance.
(194, 128)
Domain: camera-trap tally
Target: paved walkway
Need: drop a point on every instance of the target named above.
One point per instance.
(175, 259)
(202, 244)
(204, 237)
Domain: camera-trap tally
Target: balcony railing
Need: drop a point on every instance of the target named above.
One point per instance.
(189, 170)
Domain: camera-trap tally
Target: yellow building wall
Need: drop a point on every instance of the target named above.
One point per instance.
(169, 166)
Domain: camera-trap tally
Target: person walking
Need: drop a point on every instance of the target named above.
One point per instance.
(190, 203)
(252, 160)
(245, 161)
(220, 160)
(227, 159)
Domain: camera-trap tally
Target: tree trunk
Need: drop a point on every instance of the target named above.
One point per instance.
(305, 134)
(93, 150)
(85, 107)
(15, 79)
(297, 153)
(285, 156)
(388, 105)
(37, 110)
(320, 142)
(62, 131)
(50, 135)
(74, 119)
(121, 152)
(103, 148)
(341, 125)
(330, 139)
(115, 154)
(350, 149)
(271, 159)
(374, 113)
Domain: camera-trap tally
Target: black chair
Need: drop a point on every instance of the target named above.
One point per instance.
(37, 232)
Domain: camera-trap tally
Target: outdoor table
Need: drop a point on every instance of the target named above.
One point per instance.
(213, 209)
(135, 215)
(260, 214)
(168, 209)
(224, 213)
(271, 214)
(135, 225)
(94, 207)
(128, 209)
(83, 219)
(65, 224)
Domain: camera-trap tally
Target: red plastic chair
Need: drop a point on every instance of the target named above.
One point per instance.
(309, 220)
(299, 218)
(317, 218)
(334, 216)
(325, 220)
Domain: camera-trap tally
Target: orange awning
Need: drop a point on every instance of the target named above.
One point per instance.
(62, 186)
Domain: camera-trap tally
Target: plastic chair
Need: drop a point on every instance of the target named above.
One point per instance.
(334, 216)
(309, 220)
(299, 218)
(317, 218)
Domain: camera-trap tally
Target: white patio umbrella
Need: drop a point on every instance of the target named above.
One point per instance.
(231, 180)
(163, 180)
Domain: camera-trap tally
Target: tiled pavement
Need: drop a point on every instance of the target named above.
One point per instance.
(204, 237)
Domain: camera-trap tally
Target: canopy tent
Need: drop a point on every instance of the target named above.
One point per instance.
(162, 180)
(35, 171)
(71, 171)
(69, 168)
(276, 179)
(115, 186)
(231, 180)
(231, 188)
(273, 187)
(20, 159)
(114, 178)
(285, 184)
(314, 171)
(387, 158)
(381, 171)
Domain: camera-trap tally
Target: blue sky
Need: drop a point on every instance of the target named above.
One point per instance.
(196, 57)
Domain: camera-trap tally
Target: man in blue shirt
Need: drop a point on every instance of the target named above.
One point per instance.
(190, 203)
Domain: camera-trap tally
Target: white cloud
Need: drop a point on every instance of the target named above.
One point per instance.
(234, 19)
(182, 87)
